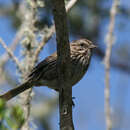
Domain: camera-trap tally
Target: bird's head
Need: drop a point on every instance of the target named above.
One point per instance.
(82, 44)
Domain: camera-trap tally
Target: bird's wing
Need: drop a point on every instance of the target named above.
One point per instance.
(46, 69)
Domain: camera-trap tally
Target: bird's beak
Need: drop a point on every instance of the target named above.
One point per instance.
(92, 46)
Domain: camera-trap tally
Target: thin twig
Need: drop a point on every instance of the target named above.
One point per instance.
(17, 38)
(10, 53)
(70, 4)
(109, 41)
(4, 58)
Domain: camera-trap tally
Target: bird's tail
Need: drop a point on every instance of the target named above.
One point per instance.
(14, 92)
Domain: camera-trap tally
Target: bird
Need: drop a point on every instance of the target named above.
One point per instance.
(45, 73)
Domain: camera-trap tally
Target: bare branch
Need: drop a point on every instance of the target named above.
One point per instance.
(28, 10)
(13, 45)
(63, 59)
(10, 53)
(5, 57)
(70, 4)
(109, 41)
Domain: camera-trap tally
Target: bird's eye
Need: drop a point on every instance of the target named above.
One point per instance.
(82, 44)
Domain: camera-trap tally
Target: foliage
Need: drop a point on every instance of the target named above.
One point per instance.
(10, 117)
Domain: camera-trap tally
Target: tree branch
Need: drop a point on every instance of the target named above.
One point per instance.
(13, 45)
(29, 9)
(63, 53)
(5, 57)
(70, 4)
(10, 53)
(109, 41)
